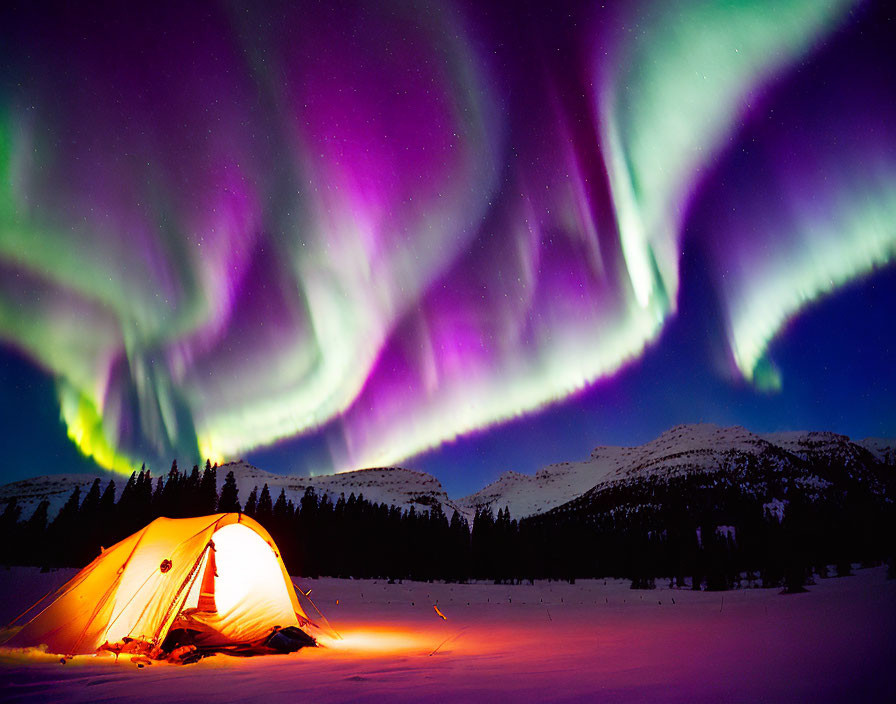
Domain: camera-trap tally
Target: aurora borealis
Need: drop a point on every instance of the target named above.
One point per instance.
(378, 227)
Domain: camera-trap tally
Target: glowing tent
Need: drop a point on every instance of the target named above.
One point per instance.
(219, 577)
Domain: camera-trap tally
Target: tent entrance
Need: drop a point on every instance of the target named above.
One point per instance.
(201, 595)
(206, 601)
(241, 595)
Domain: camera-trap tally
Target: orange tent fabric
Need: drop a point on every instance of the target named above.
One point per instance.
(221, 574)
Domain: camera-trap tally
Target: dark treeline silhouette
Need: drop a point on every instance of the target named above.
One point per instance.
(348, 537)
(710, 530)
(702, 530)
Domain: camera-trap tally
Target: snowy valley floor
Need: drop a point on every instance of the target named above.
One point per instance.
(591, 641)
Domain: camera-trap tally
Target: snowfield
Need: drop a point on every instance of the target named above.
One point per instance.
(590, 641)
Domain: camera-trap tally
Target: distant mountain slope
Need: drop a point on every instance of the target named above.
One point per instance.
(882, 448)
(737, 478)
(813, 445)
(390, 485)
(55, 488)
(682, 450)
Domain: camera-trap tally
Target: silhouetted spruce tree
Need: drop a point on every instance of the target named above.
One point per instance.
(168, 502)
(391, 543)
(252, 503)
(501, 546)
(281, 513)
(410, 540)
(125, 509)
(306, 531)
(325, 556)
(92, 499)
(345, 550)
(191, 499)
(482, 544)
(157, 503)
(265, 509)
(208, 490)
(11, 515)
(9, 532)
(142, 500)
(281, 521)
(86, 537)
(63, 534)
(440, 538)
(459, 550)
(106, 529)
(34, 537)
(129, 488)
(230, 495)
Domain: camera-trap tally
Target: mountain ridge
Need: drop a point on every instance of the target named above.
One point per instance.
(688, 448)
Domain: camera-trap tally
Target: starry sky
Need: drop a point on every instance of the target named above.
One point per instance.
(461, 237)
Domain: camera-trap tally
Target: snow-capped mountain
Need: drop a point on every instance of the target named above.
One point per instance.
(55, 488)
(390, 485)
(884, 449)
(811, 445)
(728, 469)
(682, 450)
(393, 486)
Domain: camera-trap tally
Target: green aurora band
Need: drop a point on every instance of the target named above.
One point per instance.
(233, 238)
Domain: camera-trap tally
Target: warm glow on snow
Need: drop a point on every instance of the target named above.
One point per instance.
(380, 641)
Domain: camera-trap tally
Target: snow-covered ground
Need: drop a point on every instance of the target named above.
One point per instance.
(591, 641)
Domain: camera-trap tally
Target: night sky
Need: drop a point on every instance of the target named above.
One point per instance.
(459, 237)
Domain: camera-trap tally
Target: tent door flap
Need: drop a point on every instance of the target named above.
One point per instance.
(207, 587)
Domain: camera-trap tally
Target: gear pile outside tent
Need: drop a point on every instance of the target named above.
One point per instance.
(218, 580)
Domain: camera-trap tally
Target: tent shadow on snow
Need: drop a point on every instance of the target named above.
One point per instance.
(178, 589)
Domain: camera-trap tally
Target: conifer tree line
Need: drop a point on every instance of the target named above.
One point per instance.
(700, 531)
(348, 537)
(715, 530)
